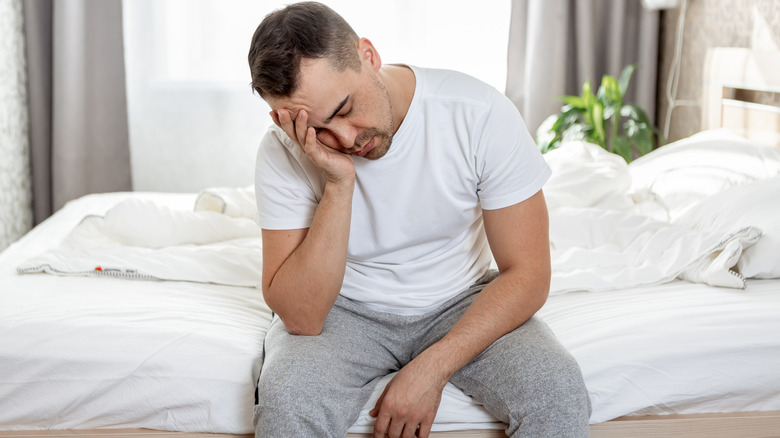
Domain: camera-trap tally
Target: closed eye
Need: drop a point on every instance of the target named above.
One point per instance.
(346, 114)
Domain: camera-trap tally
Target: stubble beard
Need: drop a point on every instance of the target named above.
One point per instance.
(384, 137)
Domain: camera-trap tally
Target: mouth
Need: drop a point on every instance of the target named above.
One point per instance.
(365, 149)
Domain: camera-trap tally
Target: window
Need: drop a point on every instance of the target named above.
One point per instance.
(194, 122)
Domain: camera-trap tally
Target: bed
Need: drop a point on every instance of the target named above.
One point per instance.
(129, 314)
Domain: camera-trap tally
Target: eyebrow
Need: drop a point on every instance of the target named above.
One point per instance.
(338, 109)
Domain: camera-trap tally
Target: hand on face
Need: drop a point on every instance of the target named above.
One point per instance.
(409, 403)
(337, 166)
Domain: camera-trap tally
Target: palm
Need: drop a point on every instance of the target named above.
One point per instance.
(337, 165)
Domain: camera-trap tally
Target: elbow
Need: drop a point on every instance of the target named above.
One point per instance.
(301, 328)
(543, 288)
(542, 295)
(298, 320)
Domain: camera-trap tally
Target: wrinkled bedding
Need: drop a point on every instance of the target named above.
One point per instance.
(636, 251)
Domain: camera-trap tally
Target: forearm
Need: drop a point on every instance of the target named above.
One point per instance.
(306, 285)
(502, 306)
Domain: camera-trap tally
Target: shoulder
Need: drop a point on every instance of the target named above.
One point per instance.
(451, 84)
(276, 146)
(276, 139)
(460, 92)
(278, 157)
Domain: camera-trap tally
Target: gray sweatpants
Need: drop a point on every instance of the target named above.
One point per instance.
(315, 386)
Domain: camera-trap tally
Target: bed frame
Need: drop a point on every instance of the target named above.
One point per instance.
(733, 79)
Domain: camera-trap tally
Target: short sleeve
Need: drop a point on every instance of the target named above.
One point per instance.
(510, 168)
(288, 186)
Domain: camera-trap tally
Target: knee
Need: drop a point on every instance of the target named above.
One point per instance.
(289, 403)
(286, 375)
(548, 386)
(557, 402)
(566, 387)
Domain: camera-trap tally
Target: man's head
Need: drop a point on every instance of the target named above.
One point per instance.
(285, 37)
(306, 57)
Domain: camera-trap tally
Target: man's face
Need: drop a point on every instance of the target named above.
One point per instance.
(350, 110)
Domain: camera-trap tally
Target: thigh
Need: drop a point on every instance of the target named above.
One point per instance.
(528, 380)
(319, 383)
(438, 323)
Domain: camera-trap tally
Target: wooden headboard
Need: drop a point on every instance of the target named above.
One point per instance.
(733, 78)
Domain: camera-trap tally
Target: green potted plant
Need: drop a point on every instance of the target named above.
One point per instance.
(603, 119)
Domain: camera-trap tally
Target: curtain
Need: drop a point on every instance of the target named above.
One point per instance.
(557, 45)
(15, 203)
(78, 111)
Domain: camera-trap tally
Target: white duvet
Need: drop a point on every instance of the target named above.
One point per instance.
(141, 239)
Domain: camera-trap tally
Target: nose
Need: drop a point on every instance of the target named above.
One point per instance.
(338, 136)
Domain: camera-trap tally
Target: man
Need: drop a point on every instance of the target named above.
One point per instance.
(381, 192)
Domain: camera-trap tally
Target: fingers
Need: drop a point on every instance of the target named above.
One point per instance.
(385, 427)
(380, 428)
(396, 429)
(297, 128)
(275, 118)
(310, 143)
(374, 412)
(288, 125)
(425, 429)
(301, 128)
(400, 426)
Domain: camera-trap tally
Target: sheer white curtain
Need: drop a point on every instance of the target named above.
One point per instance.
(194, 122)
(15, 194)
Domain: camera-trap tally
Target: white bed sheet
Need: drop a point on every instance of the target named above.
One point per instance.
(81, 352)
(676, 348)
(102, 352)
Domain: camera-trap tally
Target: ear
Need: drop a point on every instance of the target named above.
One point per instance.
(368, 54)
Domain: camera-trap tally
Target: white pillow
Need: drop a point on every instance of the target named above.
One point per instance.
(756, 205)
(685, 172)
(586, 175)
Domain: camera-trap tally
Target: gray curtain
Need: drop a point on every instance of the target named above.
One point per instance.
(557, 45)
(79, 140)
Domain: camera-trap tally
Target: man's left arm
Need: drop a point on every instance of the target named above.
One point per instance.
(519, 239)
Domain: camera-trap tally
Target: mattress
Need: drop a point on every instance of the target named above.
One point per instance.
(100, 352)
(105, 352)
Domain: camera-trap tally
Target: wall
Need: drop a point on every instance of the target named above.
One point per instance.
(711, 23)
(15, 194)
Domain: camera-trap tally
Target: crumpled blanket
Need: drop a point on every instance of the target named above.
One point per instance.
(594, 249)
(139, 239)
(604, 236)
(603, 242)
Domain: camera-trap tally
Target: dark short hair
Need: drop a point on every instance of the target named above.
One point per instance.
(300, 30)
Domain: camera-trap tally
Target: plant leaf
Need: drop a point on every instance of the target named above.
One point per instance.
(587, 95)
(609, 111)
(612, 89)
(546, 135)
(574, 101)
(635, 113)
(578, 131)
(597, 114)
(622, 147)
(625, 78)
(643, 138)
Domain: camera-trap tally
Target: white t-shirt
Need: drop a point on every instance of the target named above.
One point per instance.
(416, 236)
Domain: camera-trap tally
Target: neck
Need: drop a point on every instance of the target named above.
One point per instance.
(400, 83)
